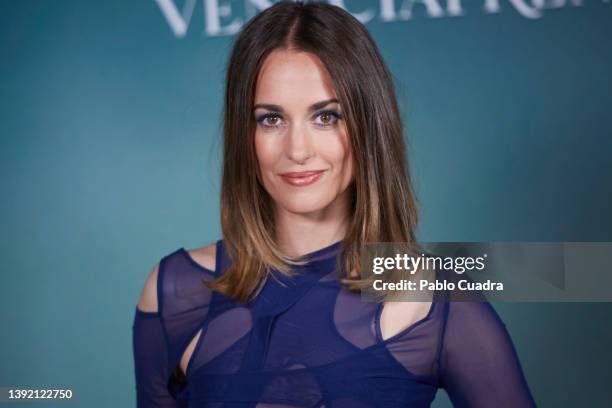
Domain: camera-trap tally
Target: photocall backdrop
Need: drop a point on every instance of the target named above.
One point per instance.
(110, 156)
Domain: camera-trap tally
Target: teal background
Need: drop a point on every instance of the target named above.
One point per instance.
(109, 152)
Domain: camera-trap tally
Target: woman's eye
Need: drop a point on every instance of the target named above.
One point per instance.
(327, 118)
(269, 120)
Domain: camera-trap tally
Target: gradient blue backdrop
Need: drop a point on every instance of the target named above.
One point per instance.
(109, 132)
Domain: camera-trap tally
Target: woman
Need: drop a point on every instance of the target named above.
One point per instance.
(314, 167)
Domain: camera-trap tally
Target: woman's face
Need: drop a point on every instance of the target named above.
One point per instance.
(301, 141)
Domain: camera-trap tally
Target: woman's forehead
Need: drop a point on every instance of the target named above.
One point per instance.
(293, 77)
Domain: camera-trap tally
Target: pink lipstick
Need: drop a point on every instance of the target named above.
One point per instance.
(302, 178)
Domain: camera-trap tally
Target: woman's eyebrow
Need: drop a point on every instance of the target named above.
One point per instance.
(313, 107)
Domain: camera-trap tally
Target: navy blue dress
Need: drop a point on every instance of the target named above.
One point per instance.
(307, 342)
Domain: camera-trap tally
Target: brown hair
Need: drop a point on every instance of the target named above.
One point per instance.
(383, 201)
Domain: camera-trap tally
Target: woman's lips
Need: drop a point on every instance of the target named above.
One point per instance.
(302, 178)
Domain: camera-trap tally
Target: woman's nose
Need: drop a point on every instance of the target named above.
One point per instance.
(299, 144)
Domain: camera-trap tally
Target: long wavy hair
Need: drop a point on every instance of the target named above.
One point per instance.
(384, 207)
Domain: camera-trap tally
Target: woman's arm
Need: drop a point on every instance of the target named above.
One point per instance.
(479, 366)
(150, 351)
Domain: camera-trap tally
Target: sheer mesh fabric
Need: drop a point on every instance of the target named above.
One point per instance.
(305, 341)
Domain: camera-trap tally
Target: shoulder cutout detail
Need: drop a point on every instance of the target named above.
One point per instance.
(148, 296)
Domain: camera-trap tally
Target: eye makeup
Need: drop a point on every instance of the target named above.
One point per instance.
(261, 119)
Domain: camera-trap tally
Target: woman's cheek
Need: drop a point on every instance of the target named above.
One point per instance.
(337, 151)
(265, 151)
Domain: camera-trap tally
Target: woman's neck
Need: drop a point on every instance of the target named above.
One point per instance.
(301, 233)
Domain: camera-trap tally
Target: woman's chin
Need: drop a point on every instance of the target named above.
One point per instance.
(307, 206)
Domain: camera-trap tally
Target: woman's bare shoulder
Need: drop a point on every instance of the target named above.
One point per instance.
(148, 295)
(204, 256)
